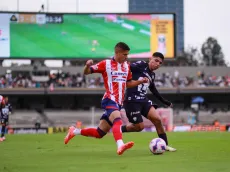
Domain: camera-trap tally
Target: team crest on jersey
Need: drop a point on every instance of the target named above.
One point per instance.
(124, 69)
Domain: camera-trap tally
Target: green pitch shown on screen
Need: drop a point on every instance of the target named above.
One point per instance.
(80, 36)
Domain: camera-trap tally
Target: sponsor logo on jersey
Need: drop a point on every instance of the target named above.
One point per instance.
(117, 73)
(119, 79)
(134, 113)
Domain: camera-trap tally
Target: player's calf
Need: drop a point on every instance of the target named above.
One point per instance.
(160, 130)
(159, 126)
(3, 131)
(115, 117)
(156, 120)
(117, 134)
(91, 132)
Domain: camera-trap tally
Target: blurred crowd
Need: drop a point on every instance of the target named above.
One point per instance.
(167, 80)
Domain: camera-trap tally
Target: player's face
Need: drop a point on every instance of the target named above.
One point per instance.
(122, 55)
(6, 99)
(155, 63)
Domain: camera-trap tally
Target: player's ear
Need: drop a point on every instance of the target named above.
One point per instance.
(150, 58)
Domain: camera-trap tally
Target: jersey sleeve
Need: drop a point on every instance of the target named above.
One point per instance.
(98, 68)
(137, 65)
(3, 102)
(129, 78)
(155, 92)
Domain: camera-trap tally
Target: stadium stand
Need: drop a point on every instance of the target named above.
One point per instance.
(68, 77)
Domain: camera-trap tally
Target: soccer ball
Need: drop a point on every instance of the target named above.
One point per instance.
(157, 146)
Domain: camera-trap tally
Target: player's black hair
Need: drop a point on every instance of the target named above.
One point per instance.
(158, 54)
(122, 46)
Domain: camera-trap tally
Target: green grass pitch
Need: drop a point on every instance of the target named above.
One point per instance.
(74, 38)
(197, 152)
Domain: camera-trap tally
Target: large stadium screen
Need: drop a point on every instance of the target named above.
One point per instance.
(24, 35)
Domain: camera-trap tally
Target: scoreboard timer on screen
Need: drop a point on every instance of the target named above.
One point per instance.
(37, 18)
(54, 18)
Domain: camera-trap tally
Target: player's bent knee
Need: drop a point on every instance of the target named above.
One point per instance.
(139, 127)
(101, 133)
(114, 115)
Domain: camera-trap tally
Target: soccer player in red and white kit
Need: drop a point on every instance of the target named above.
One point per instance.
(117, 77)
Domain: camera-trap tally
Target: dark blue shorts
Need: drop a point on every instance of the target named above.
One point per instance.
(135, 110)
(109, 106)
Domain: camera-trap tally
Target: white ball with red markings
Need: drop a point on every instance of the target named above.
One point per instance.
(157, 146)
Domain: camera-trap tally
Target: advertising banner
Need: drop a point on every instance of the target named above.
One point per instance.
(162, 34)
(29, 131)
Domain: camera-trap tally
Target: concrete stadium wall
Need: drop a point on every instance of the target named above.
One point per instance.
(66, 118)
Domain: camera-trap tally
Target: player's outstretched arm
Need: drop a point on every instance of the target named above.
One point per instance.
(87, 67)
(133, 83)
(155, 92)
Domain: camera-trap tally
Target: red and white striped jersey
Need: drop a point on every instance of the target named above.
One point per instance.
(115, 76)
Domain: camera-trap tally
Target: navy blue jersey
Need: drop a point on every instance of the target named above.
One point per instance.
(5, 111)
(139, 70)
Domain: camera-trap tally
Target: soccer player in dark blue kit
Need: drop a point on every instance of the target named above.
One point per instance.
(136, 102)
(6, 110)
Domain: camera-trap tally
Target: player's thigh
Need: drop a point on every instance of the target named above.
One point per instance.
(153, 116)
(104, 126)
(133, 113)
(112, 110)
(114, 114)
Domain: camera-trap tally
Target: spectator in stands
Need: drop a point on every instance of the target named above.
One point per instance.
(192, 117)
(79, 80)
(216, 123)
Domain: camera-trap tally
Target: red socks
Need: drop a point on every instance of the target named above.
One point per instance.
(91, 132)
(98, 133)
(117, 134)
